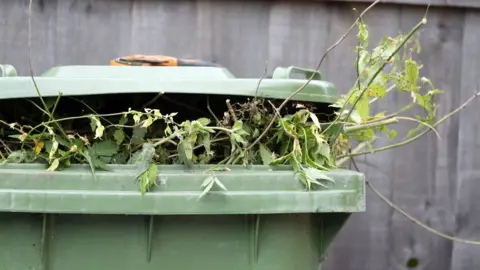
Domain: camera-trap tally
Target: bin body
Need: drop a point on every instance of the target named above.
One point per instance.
(266, 220)
(69, 220)
(120, 242)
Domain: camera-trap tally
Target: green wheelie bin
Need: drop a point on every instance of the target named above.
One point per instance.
(67, 220)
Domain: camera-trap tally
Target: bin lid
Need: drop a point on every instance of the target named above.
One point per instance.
(101, 80)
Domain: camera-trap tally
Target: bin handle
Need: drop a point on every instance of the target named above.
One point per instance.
(8, 71)
(158, 60)
(286, 73)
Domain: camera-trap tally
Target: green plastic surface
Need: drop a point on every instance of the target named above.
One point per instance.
(66, 220)
(96, 80)
(29, 188)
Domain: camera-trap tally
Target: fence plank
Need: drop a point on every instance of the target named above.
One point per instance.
(240, 36)
(164, 27)
(465, 257)
(92, 32)
(366, 237)
(14, 35)
(297, 34)
(452, 3)
(441, 42)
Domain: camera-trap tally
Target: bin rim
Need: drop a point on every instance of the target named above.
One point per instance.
(256, 189)
(83, 80)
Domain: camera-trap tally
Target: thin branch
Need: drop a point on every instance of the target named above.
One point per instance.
(260, 81)
(422, 123)
(31, 68)
(265, 131)
(418, 222)
(230, 109)
(377, 72)
(211, 112)
(411, 218)
(416, 137)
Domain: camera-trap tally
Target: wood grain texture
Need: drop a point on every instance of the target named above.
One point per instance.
(468, 155)
(367, 246)
(14, 34)
(434, 180)
(439, 3)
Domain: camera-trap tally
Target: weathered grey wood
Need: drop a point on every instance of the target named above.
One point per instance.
(468, 182)
(164, 27)
(442, 38)
(367, 245)
(414, 183)
(453, 3)
(430, 179)
(14, 34)
(240, 36)
(92, 32)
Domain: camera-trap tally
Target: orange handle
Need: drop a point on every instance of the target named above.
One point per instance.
(157, 60)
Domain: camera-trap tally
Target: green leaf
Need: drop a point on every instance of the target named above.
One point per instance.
(18, 156)
(207, 185)
(206, 142)
(148, 179)
(237, 126)
(54, 165)
(148, 122)
(185, 152)
(281, 160)
(265, 154)
(411, 73)
(392, 134)
(363, 107)
(324, 150)
(98, 163)
(364, 135)
(204, 121)
(105, 148)
(87, 156)
(315, 120)
(93, 123)
(219, 183)
(123, 120)
(138, 135)
(239, 139)
(145, 158)
(119, 136)
(378, 90)
(316, 174)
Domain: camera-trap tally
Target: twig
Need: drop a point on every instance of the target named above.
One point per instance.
(416, 137)
(230, 109)
(260, 81)
(386, 92)
(379, 69)
(31, 68)
(411, 218)
(422, 123)
(201, 145)
(211, 112)
(356, 128)
(265, 131)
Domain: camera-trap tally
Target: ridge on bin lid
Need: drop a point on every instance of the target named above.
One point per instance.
(182, 77)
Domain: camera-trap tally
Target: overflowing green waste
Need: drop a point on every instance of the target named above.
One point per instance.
(264, 218)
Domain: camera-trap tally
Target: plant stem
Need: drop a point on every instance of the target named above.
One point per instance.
(270, 124)
(169, 138)
(378, 70)
(416, 137)
(371, 125)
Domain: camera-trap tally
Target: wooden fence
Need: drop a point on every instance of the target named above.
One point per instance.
(437, 181)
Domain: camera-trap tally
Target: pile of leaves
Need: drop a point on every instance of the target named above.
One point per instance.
(302, 136)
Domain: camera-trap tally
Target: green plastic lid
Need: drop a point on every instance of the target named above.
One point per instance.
(101, 80)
